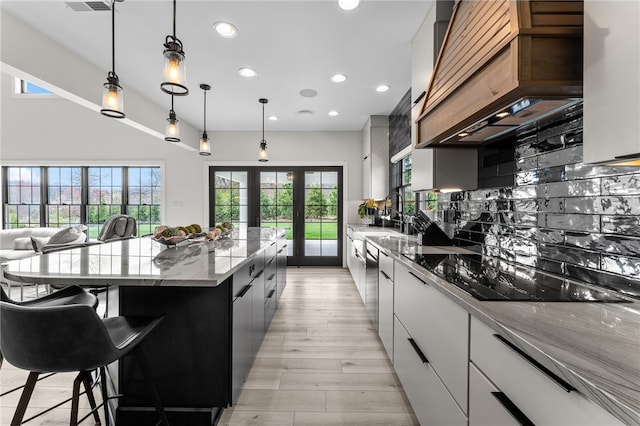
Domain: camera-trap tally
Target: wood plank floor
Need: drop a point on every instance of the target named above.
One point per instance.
(321, 363)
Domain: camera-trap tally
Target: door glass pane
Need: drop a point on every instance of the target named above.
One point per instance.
(231, 199)
(321, 213)
(276, 203)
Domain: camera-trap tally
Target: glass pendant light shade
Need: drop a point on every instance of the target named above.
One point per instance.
(205, 148)
(112, 98)
(262, 155)
(172, 128)
(174, 71)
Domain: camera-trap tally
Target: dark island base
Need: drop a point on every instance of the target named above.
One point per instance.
(188, 354)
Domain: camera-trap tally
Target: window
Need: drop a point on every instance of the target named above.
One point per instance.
(24, 87)
(405, 187)
(22, 196)
(63, 196)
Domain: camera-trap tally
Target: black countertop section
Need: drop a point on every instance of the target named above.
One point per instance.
(488, 278)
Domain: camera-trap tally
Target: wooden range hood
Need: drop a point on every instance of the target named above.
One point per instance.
(503, 64)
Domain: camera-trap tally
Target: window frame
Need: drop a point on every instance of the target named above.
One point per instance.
(123, 205)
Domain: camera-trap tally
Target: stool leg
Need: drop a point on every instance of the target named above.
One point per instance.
(24, 399)
(146, 372)
(90, 397)
(75, 399)
(105, 397)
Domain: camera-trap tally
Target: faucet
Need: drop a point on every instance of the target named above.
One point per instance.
(400, 215)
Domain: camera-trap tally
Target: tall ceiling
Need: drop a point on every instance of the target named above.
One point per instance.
(293, 45)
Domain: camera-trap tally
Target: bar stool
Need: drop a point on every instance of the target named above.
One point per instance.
(72, 338)
(72, 295)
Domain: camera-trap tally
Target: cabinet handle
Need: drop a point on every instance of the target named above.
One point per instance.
(271, 277)
(563, 384)
(385, 275)
(381, 252)
(259, 273)
(271, 293)
(418, 278)
(418, 351)
(512, 409)
(281, 250)
(244, 290)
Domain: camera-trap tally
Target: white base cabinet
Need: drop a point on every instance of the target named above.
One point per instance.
(385, 302)
(431, 402)
(533, 392)
(484, 407)
(438, 325)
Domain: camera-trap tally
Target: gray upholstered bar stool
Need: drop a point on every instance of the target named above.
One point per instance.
(72, 338)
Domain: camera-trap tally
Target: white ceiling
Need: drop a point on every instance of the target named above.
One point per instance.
(293, 45)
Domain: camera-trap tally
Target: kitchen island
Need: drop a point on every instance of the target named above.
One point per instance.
(592, 347)
(218, 297)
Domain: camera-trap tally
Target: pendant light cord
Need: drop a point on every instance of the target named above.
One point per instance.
(263, 122)
(171, 102)
(174, 19)
(205, 111)
(113, 36)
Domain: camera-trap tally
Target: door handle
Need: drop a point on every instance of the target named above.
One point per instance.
(512, 408)
(417, 278)
(244, 291)
(416, 348)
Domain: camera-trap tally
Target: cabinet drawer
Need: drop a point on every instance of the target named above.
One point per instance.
(385, 312)
(534, 391)
(270, 252)
(431, 402)
(438, 325)
(484, 407)
(385, 264)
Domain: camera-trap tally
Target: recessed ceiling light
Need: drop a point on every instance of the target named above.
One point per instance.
(382, 88)
(247, 72)
(338, 78)
(225, 29)
(348, 4)
(333, 113)
(308, 93)
(273, 118)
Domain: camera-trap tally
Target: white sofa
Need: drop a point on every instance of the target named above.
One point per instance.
(16, 243)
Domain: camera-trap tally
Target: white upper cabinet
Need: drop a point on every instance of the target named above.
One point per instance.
(375, 157)
(440, 168)
(611, 82)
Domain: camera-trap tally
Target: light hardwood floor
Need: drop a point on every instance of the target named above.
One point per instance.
(321, 363)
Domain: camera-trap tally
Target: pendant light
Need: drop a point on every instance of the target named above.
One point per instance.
(112, 99)
(172, 128)
(205, 147)
(174, 70)
(262, 155)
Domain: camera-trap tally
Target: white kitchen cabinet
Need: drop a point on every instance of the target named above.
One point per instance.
(611, 83)
(438, 325)
(375, 157)
(431, 402)
(485, 409)
(440, 168)
(385, 302)
(535, 392)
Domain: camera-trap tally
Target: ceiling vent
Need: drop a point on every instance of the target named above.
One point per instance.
(88, 6)
(502, 65)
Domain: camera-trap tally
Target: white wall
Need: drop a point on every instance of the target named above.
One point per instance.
(41, 131)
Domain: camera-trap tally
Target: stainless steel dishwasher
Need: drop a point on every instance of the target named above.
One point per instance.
(371, 282)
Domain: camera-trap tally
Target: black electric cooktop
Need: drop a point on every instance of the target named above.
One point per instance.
(492, 279)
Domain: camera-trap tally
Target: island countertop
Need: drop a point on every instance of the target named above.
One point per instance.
(593, 346)
(145, 262)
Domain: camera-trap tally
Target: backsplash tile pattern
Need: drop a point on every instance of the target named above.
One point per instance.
(558, 215)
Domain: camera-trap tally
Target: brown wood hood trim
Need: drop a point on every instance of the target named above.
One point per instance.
(497, 52)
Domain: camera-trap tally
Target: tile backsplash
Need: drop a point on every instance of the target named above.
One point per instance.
(555, 213)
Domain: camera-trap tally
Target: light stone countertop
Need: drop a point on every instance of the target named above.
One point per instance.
(595, 347)
(145, 262)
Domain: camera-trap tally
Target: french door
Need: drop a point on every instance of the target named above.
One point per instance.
(306, 201)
